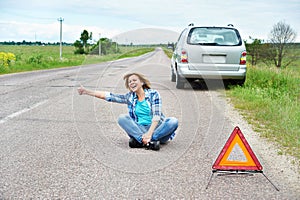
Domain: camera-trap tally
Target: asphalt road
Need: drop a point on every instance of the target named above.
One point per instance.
(55, 144)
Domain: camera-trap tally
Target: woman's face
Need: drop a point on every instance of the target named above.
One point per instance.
(134, 83)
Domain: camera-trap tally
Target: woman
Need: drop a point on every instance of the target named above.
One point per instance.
(145, 124)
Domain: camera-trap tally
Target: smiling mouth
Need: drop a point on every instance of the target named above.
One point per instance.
(133, 87)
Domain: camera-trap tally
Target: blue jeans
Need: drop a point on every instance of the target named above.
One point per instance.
(163, 132)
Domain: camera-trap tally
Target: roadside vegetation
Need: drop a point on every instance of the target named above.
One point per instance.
(270, 97)
(27, 58)
(270, 101)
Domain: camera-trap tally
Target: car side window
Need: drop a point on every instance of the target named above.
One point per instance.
(180, 40)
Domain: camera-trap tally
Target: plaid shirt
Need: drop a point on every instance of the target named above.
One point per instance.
(151, 96)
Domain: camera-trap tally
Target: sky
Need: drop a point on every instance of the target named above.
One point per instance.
(36, 20)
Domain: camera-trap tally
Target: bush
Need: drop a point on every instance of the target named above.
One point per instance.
(37, 59)
(6, 59)
(274, 84)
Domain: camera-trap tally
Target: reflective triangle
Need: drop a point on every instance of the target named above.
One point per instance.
(237, 154)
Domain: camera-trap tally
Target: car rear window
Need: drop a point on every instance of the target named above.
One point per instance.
(214, 36)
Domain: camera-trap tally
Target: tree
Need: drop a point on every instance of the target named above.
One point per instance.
(107, 47)
(253, 50)
(282, 37)
(85, 36)
(79, 47)
(82, 44)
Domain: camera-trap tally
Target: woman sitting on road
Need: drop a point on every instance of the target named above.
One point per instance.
(145, 125)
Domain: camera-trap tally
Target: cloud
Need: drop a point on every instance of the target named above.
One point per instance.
(49, 32)
(147, 36)
(16, 31)
(22, 19)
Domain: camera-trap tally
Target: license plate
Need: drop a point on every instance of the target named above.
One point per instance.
(214, 59)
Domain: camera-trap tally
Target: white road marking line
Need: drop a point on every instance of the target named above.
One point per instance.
(5, 119)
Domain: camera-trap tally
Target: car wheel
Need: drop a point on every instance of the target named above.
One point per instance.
(179, 82)
(241, 82)
(173, 75)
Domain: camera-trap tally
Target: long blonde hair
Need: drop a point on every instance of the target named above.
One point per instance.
(142, 78)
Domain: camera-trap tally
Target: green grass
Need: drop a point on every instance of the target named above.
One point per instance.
(30, 58)
(168, 52)
(39, 57)
(270, 101)
(136, 52)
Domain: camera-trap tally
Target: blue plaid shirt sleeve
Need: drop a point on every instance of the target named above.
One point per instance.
(156, 104)
(117, 98)
(124, 99)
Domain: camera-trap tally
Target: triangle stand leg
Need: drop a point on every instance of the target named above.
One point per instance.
(211, 176)
(270, 181)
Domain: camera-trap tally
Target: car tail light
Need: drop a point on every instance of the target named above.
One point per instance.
(184, 56)
(243, 58)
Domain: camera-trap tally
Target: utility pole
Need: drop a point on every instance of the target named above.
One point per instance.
(60, 49)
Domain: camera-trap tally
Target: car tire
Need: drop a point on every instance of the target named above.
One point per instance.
(173, 75)
(179, 82)
(241, 82)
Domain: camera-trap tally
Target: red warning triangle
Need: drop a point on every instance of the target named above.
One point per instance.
(244, 158)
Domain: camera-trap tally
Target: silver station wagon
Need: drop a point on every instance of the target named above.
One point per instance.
(209, 53)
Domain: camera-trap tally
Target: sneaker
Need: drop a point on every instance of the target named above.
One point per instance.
(133, 143)
(153, 145)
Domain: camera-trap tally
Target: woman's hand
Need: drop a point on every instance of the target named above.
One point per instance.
(81, 90)
(146, 138)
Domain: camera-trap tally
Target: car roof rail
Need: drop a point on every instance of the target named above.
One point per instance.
(230, 25)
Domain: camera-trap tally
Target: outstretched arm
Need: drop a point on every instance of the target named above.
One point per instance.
(99, 94)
